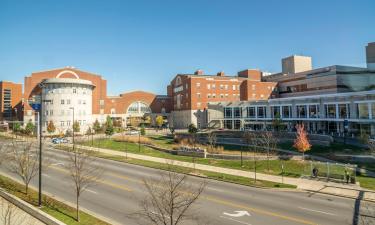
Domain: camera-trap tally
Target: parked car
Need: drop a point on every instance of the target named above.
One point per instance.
(133, 132)
(59, 140)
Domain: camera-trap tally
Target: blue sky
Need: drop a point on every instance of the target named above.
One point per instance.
(143, 44)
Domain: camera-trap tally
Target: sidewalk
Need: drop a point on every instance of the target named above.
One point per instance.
(344, 190)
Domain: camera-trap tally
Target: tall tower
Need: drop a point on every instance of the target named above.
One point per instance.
(370, 55)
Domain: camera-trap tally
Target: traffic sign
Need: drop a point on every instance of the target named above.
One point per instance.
(36, 106)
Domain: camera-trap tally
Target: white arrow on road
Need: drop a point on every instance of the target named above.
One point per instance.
(237, 213)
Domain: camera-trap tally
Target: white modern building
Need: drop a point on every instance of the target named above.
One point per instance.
(61, 97)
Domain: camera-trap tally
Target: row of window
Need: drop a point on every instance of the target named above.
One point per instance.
(68, 123)
(66, 91)
(67, 101)
(334, 111)
(221, 95)
(221, 86)
(65, 112)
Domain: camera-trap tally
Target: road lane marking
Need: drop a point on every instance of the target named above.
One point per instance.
(57, 164)
(237, 213)
(108, 183)
(214, 189)
(257, 210)
(313, 210)
(94, 192)
(229, 218)
(212, 199)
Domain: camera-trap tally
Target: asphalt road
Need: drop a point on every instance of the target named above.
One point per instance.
(120, 189)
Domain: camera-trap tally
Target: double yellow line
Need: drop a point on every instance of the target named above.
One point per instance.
(208, 198)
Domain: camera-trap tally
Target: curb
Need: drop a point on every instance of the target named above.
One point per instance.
(70, 204)
(30, 209)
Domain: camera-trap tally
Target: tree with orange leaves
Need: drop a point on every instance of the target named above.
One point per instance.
(301, 143)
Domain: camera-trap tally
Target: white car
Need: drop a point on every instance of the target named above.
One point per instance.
(133, 132)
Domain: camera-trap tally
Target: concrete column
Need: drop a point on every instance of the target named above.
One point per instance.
(372, 129)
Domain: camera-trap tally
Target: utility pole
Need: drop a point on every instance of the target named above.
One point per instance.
(40, 114)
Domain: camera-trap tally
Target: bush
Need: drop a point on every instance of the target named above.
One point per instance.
(133, 139)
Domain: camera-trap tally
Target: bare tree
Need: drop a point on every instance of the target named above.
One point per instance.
(268, 141)
(10, 214)
(211, 139)
(252, 141)
(24, 161)
(371, 146)
(83, 172)
(169, 200)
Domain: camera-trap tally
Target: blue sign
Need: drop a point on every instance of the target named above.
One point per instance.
(36, 106)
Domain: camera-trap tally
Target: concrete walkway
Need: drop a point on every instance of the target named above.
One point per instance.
(344, 190)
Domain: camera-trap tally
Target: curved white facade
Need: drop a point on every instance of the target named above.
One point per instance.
(60, 97)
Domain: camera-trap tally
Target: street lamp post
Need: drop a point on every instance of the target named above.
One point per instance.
(72, 108)
(41, 85)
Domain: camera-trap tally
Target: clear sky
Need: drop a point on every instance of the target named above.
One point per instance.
(142, 44)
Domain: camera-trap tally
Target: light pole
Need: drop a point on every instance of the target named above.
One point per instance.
(72, 108)
(41, 85)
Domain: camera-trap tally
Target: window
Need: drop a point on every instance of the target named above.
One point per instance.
(237, 124)
(68, 123)
(198, 95)
(363, 111)
(250, 112)
(68, 101)
(208, 86)
(208, 95)
(46, 112)
(234, 87)
(261, 111)
(227, 112)
(237, 112)
(221, 87)
(84, 102)
(199, 104)
(226, 95)
(275, 111)
(74, 91)
(62, 123)
(343, 111)
(101, 102)
(221, 95)
(226, 87)
(214, 86)
(287, 111)
(138, 108)
(301, 111)
(51, 112)
(330, 110)
(313, 111)
(198, 85)
(62, 102)
(228, 124)
(253, 87)
(213, 95)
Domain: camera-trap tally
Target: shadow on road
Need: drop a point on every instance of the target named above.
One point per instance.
(357, 208)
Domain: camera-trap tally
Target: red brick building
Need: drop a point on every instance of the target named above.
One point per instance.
(10, 100)
(190, 93)
(120, 107)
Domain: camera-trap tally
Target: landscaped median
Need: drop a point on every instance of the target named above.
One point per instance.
(177, 167)
(287, 168)
(57, 209)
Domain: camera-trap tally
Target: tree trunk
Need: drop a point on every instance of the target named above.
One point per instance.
(77, 208)
(27, 188)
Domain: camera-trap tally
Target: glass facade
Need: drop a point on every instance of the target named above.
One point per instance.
(313, 111)
(362, 111)
(287, 111)
(261, 112)
(250, 112)
(330, 110)
(301, 111)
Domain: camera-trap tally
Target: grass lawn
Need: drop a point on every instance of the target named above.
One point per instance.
(212, 175)
(292, 168)
(53, 207)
